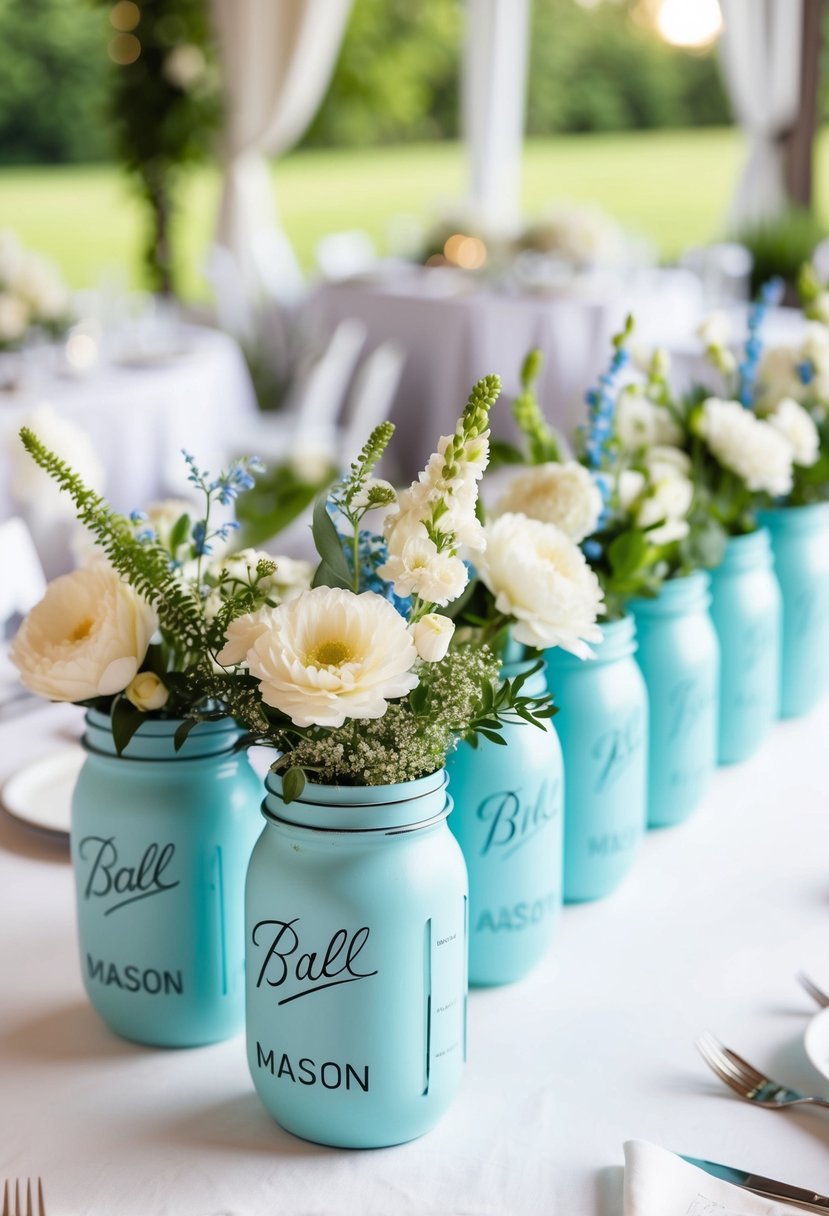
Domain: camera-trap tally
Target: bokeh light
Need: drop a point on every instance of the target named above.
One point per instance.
(683, 23)
(124, 16)
(468, 252)
(124, 48)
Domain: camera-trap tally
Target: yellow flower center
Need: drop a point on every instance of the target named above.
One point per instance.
(82, 630)
(330, 654)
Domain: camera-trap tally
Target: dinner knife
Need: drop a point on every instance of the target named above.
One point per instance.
(767, 1187)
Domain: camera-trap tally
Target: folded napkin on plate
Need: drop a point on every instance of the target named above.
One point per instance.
(658, 1183)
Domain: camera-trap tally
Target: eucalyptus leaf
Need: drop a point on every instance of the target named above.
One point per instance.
(182, 731)
(126, 720)
(329, 545)
(293, 783)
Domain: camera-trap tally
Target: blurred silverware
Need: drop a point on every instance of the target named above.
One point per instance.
(758, 1185)
(817, 994)
(18, 1210)
(747, 1081)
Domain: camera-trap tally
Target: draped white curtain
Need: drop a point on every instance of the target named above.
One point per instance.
(761, 57)
(493, 96)
(277, 59)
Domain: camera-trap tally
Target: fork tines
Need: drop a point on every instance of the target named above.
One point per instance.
(817, 994)
(732, 1069)
(18, 1209)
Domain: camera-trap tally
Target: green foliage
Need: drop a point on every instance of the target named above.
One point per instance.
(542, 441)
(164, 115)
(780, 247)
(279, 497)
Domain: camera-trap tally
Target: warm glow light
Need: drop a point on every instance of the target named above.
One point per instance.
(692, 23)
(124, 15)
(124, 48)
(468, 252)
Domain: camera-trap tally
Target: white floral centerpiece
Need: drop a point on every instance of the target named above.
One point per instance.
(32, 294)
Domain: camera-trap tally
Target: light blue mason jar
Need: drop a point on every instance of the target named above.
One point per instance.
(508, 821)
(356, 918)
(160, 844)
(800, 543)
(679, 656)
(746, 608)
(603, 729)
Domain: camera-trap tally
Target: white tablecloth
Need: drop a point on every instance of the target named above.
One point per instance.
(456, 331)
(594, 1048)
(139, 418)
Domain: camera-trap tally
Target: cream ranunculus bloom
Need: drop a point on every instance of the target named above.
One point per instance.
(331, 654)
(797, 425)
(561, 494)
(147, 691)
(86, 638)
(431, 636)
(746, 445)
(542, 580)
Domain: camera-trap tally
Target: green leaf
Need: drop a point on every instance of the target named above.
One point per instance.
(182, 731)
(419, 699)
(293, 783)
(503, 453)
(493, 737)
(627, 553)
(126, 720)
(333, 564)
(180, 532)
(155, 661)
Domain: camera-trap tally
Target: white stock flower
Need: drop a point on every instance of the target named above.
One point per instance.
(330, 654)
(14, 317)
(146, 691)
(431, 636)
(241, 634)
(31, 486)
(631, 485)
(639, 423)
(797, 426)
(541, 579)
(561, 494)
(758, 454)
(421, 569)
(86, 638)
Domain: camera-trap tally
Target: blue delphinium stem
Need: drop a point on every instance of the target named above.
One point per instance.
(769, 295)
(601, 406)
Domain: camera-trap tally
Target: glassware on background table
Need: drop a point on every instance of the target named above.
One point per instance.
(356, 908)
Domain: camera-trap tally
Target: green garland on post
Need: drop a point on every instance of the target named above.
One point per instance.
(164, 104)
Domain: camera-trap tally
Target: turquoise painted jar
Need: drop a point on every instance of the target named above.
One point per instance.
(160, 844)
(746, 609)
(603, 729)
(508, 821)
(679, 656)
(356, 914)
(800, 544)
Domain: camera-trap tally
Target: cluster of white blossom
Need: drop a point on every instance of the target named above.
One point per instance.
(31, 291)
(660, 497)
(760, 451)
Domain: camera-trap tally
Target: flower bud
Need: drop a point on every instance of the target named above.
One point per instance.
(146, 691)
(431, 636)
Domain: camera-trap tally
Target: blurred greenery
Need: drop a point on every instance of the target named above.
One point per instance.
(779, 247)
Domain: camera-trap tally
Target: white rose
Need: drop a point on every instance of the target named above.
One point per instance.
(797, 426)
(329, 655)
(561, 494)
(758, 454)
(541, 579)
(422, 570)
(431, 636)
(86, 638)
(715, 330)
(14, 317)
(146, 691)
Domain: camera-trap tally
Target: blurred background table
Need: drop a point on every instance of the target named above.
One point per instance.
(594, 1048)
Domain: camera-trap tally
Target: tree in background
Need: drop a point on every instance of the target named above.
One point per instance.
(164, 106)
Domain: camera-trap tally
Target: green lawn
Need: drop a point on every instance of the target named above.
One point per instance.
(671, 186)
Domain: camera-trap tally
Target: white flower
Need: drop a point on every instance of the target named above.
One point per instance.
(746, 445)
(431, 636)
(14, 317)
(241, 634)
(668, 501)
(798, 427)
(631, 485)
(38, 282)
(779, 376)
(715, 329)
(146, 691)
(31, 486)
(421, 569)
(561, 494)
(639, 423)
(12, 255)
(86, 638)
(541, 579)
(329, 655)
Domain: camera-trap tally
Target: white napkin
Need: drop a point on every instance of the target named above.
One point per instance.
(658, 1183)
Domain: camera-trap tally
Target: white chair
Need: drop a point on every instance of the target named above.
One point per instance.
(23, 582)
(371, 398)
(341, 255)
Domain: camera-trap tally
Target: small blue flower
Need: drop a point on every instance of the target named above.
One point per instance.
(145, 535)
(805, 371)
(138, 517)
(199, 535)
(592, 550)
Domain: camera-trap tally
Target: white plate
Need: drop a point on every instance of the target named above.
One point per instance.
(40, 794)
(817, 1042)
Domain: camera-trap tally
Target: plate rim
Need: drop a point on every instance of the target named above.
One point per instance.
(27, 770)
(809, 1042)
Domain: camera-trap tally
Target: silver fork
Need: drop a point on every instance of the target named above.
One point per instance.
(748, 1081)
(17, 1210)
(817, 994)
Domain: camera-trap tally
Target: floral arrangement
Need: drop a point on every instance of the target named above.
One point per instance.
(356, 679)
(32, 294)
(137, 629)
